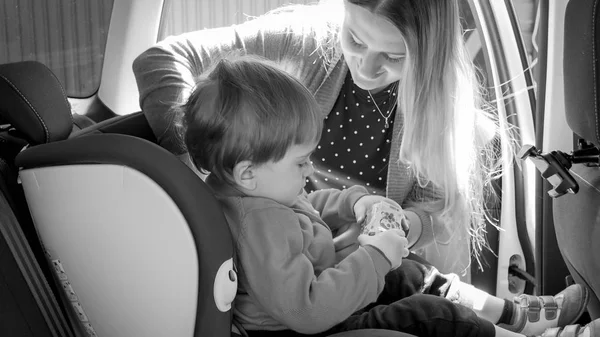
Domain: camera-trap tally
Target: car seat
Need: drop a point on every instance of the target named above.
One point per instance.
(137, 243)
(577, 216)
(575, 177)
(28, 305)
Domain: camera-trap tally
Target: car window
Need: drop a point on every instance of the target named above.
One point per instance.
(182, 16)
(526, 11)
(68, 36)
(473, 40)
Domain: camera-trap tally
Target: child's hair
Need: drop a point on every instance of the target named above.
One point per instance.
(246, 108)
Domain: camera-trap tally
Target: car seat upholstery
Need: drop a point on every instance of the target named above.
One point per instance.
(117, 284)
(137, 244)
(134, 124)
(34, 102)
(28, 304)
(152, 256)
(577, 216)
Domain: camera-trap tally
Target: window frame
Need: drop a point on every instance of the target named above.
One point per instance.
(512, 82)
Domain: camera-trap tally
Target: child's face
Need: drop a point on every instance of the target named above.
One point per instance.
(284, 180)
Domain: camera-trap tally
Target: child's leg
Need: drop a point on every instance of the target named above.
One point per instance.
(414, 277)
(485, 305)
(500, 332)
(590, 330)
(526, 314)
(420, 315)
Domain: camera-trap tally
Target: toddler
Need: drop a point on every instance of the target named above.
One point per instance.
(253, 127)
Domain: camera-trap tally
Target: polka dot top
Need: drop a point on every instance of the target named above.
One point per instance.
(355, 146)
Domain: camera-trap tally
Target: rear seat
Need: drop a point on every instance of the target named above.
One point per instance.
(28, 302)
(134, 124)
(31, 304)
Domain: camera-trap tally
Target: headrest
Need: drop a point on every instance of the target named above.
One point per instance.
(582, 70)
(34, 102)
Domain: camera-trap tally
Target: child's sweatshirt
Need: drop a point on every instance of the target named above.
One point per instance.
(288, 276)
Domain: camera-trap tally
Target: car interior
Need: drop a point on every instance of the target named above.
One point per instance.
(149, 191)
(573, 177)
(84, 245)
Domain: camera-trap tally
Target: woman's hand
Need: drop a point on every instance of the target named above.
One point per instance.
(365, 203)
(346, 239)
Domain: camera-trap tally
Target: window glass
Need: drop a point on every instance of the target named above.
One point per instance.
(474, 43)
(181, 16)
(68, 36)
(526, 11)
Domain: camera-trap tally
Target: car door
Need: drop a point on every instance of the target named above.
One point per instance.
(494, 39)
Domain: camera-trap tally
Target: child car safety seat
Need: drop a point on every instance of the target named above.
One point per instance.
(576, 176)
(127, 254)
(137, 243)
(28, 306)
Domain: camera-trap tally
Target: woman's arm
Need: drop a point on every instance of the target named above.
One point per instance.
(421, 207)
(167, 72)
(283, 280)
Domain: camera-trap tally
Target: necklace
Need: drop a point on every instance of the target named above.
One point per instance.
(390, 111)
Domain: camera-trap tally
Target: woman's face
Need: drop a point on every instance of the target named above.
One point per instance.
(373, 48)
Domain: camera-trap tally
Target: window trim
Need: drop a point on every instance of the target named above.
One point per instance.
(133, 29)
(517, 219)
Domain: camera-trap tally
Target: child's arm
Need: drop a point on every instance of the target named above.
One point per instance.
(285, 284)
(336, 207)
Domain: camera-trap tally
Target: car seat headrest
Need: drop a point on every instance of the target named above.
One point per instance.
(34, 102)
(582, 70)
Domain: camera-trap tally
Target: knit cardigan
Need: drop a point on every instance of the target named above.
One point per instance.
(298, 40)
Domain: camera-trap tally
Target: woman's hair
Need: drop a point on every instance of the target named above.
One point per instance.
(245, 108)
(448, 137)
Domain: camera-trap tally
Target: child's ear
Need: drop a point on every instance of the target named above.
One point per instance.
(243, 174)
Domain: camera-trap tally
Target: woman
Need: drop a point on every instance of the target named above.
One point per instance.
(398, 90)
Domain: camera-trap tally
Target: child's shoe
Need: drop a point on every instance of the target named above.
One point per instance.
(592, 329)
(535, 314)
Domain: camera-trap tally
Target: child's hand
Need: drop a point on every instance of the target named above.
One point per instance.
(391, 243)
(363, 204)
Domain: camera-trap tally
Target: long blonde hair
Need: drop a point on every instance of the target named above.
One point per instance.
(449, 136)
